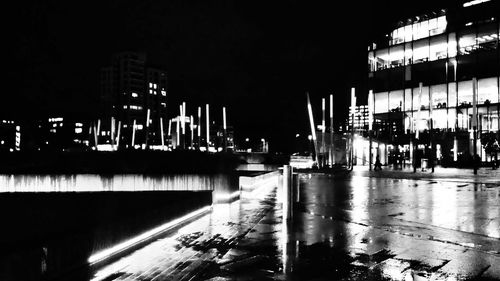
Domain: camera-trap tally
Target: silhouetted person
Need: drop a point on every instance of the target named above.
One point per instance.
(378, 165)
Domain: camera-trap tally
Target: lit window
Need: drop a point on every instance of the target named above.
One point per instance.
(150, 91)
(163, 93)
(78, 130)
(474, 2)
(135, 95)
(150, 85)
(154, 86)
(136, 107)
(163, 104)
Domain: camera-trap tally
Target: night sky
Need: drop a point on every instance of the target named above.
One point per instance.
(256, 57)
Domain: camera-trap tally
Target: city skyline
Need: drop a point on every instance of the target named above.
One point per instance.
(258, 60)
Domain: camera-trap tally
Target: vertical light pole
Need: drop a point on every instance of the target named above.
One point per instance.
(353, 111)
(455, 141)
(431, 136)
(199, 127)
(370, 127)
(178, 132)
(224, 127)
(179, 127)
(169, 128)
(191, 126)
(98, 127)
(118, 135)
(183, 125)
(97, 132)
(169, 132)
(208, 127)
(417, 125)
(474, 122)
(323, 131)
(112, 133)
(161, 134)
(331, 131)
(146, 144)
(133, 134)
(313, 131)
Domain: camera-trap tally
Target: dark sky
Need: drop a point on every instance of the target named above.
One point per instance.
(256, 57)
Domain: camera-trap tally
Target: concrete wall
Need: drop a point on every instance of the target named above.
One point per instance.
(46, 234)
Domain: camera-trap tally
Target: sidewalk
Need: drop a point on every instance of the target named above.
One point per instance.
(484, 175)
(356, 228)
(200, 249)
(375, 229)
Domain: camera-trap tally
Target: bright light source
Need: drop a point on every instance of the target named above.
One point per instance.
(474, 2)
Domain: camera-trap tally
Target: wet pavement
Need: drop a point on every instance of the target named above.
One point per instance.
(359, 227)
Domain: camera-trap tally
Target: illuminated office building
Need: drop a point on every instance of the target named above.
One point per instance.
(444, 50)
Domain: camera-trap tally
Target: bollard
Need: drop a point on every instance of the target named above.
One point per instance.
(287, 200)
(296, 185)
(287, 193)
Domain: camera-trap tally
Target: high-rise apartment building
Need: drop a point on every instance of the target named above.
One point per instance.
(134, 103)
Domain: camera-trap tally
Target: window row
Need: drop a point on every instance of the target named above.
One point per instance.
(443, 96)
(453, 118)
(419, 30)
(469, 41)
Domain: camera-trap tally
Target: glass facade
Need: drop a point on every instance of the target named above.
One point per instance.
(444, 100)
(444, 52)
(471, 39)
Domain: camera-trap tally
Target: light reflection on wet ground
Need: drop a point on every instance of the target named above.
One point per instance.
(358, 228)
(397, 229)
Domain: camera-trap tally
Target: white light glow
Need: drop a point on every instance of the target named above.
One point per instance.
(208, 126)
(100, 256)
(370, 110)
(224, 117)
(474, 2)
(224, 197)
